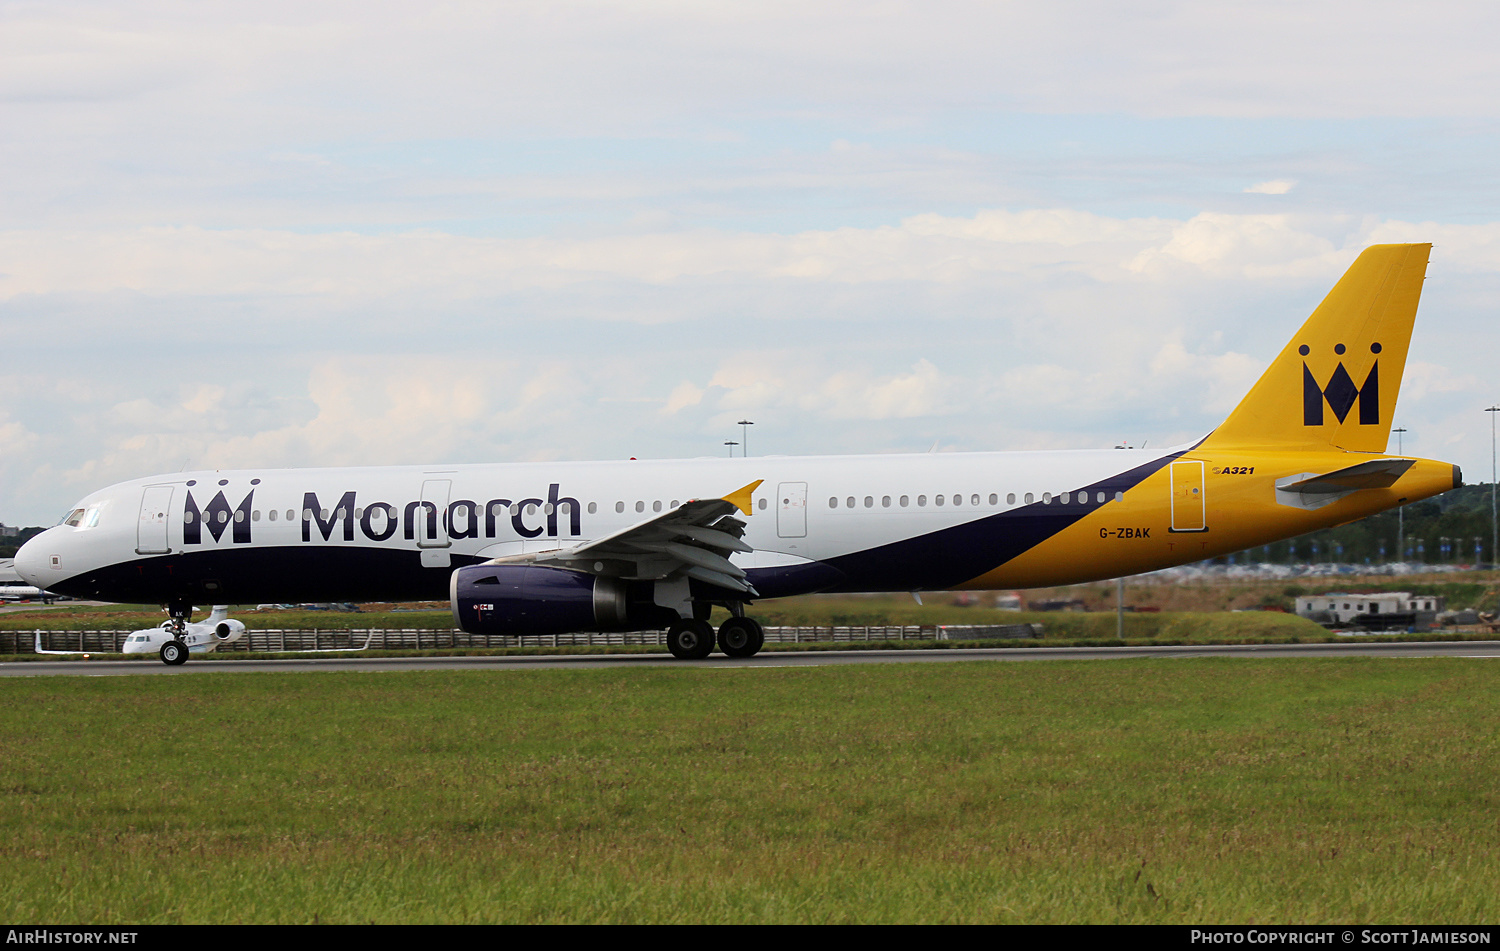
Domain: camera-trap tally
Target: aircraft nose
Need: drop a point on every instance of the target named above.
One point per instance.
(31, 559)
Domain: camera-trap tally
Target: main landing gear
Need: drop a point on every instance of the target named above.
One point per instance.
(692, 639)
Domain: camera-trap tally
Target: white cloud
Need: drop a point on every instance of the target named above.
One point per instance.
(621, 64)
(1278, 186)
(685, 395)
(931, 249)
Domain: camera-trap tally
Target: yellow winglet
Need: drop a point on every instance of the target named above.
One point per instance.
(740, 498)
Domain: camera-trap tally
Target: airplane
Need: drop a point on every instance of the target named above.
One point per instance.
(173, 645)
(24, 592)
(538, 548)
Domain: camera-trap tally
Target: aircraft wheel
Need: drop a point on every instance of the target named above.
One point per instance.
(741, 637)
(690, 639)
(174, 653)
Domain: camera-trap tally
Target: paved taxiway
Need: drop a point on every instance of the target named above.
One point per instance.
(105, 668)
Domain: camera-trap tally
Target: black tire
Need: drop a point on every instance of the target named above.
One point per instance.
(690, 639)
(173, 653)
(741, 637)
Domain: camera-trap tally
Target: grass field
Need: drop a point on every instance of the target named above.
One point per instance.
(1061, 628)
(1345, 790)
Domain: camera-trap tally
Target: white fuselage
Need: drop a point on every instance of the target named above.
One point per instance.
(334, 534)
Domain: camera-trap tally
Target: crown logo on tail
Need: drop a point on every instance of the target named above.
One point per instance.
(1341, 394)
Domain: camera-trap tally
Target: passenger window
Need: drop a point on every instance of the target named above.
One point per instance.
(1046, 498)
(1030, 498)
(850, 501)
(885, 501)
(271, 515)
(921, 500)
(1010, 498)
(593, 507)
(762, 505)
(904, 501)
(291, 514)
(619, 506)
(187, 518)
(239, 516)
(531, 508)
(958, 498)
(1119, 496)
(1065, 496)
(994, 499)
(640, 506)
(656, 506)
(1101, 498)
(869, 501)
(937, 500)
(833, 503)
(547, 508)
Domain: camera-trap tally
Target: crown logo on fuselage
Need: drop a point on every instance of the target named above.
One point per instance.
(1341, 393)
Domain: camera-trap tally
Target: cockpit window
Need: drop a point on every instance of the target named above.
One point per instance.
(91, 517)
(73, 518)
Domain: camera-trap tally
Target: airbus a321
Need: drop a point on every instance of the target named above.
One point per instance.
(537, 548)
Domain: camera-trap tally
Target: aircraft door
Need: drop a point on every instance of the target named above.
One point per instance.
(151, 531)
(1189, 511)
(432, 521)
(791, 510)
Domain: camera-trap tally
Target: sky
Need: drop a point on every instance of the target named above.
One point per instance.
(288, 234)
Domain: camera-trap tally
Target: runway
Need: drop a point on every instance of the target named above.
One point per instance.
(354, 663)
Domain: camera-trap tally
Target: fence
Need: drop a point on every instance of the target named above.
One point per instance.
(108, 642)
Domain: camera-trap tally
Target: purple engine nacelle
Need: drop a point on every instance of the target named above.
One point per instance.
(512, 600)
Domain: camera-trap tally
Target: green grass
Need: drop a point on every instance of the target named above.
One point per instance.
(1346, 790)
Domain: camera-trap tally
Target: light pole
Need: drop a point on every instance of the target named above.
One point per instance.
(745, 425)
(1401, 511)
(1493, 522)
(731, 444)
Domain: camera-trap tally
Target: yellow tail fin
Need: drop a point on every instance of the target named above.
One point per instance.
(1335, 383)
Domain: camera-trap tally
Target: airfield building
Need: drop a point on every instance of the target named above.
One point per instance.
(1383, 609)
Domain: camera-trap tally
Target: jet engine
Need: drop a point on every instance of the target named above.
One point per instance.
(225, 631)
(512, 600)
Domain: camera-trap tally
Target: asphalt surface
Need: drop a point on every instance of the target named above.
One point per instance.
(347, 662)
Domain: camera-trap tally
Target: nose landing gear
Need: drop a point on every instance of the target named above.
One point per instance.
(174, 652)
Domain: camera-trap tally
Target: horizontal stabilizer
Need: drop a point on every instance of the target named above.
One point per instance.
(1380, 474)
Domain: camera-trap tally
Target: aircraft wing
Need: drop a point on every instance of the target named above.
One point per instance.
(694, 539)
(42, 650)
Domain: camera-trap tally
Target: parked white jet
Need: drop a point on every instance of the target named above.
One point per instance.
(173, 642)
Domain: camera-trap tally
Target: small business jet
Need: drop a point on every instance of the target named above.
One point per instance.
(173, 642)
(536, 548)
